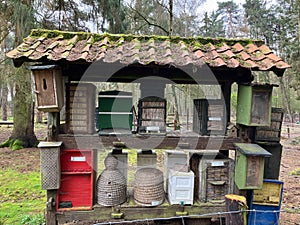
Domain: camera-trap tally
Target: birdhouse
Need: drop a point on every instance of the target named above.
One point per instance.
(48, 88)
(249, 165)
(254, 104)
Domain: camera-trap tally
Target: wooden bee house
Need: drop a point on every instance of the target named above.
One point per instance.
(48, 88)
(249, 165)
(209, 116)
(254, 105)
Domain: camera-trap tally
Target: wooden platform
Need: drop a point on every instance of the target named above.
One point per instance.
(134, 212)
(137, 141)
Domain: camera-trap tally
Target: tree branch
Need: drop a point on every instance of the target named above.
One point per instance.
(148, 22)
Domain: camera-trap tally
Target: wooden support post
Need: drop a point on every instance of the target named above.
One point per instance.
(234, 204)
(50, 209)
(53, 126)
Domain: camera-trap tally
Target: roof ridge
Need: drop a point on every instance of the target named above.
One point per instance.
(128, 37)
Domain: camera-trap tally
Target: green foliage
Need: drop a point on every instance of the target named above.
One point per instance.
(14, 144)
(21, 194)
(37, 219)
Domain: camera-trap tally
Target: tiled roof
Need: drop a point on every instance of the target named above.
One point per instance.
(50, 45)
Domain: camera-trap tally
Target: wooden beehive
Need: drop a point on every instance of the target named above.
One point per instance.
(272, 132)
(49, 89)
(209, 116)
(80, 108)
(215, 179)
(254, 105)
(249, 165)
(152, 115)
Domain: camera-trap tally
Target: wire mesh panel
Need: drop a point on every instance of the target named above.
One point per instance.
(50, 165)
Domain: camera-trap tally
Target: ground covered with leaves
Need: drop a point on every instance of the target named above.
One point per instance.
(22, 200)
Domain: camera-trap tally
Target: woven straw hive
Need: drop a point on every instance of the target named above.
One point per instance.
(149, 187)
(111, 184)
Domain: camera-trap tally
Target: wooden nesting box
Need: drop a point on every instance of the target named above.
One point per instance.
(80, 108)
(254, 105)
(215, 179)
(50, 164)
(49, 88)
(77, 180)
(249, 165)
(271, 133)
(152, 115)
(209, 116)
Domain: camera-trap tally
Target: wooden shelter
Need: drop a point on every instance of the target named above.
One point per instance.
(65, 66)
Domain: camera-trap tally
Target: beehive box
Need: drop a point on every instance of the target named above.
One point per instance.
(181, 187)
(249, 165)
(176, 160)
(114, 110)
(152, 115)
(267, 203)
(209, 116)
(254, 105)
(80, 108)
(77, 180)
(215, 179)
(272, 132)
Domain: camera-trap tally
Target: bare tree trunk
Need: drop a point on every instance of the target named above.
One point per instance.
(286, 100)
(4, 104)
(176, 105)
(171, 17)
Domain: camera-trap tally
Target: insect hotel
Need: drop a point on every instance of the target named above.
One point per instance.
(85, 160)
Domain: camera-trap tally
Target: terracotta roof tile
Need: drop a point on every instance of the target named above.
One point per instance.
(45, 45)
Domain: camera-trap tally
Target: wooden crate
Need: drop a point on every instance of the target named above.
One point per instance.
(152, 115)
(272, 132)
(209, 116)
(80, 108)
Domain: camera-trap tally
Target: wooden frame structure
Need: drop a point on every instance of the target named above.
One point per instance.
(85, 57)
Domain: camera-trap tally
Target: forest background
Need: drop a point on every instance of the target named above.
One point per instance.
(275, 22)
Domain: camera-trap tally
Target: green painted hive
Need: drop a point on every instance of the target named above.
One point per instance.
(249, 166)
(254, 105)
(114, 111)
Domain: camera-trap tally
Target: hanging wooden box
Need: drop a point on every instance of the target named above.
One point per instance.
(209, 117)
(272, 132)
(49, 88)
(115, 110)
(254, 105)
(249, 165)
(80, 108)
(215, 179)
(152, 115)
(181, 187)
(77, 180)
